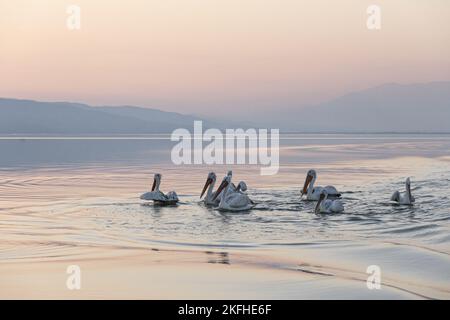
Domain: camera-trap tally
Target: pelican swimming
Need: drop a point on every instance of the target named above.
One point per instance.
(210, 182)
(404, 197)
(313, 193)
(233, 200)
(325, 205)
(241, 187)
(157, 196)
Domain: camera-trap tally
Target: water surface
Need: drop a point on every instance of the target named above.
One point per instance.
(77, 199)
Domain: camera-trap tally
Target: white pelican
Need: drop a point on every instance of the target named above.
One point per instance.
(210, 181)
(157, 196)
(232, 200)
(241, 187)
(405, 197)
(314, 193)
(325, 205)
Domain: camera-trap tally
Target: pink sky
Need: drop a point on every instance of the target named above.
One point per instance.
(212, 56)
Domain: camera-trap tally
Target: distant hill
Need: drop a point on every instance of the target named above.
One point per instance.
(33, 117)
(387, 108)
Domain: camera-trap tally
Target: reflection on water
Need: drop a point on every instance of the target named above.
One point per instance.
(65, 198)
(218, 257)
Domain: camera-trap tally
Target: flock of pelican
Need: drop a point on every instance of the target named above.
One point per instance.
(229, 197)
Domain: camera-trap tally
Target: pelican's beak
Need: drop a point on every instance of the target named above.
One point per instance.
(307, 182)
(154, 184)
(221, 187)
(207, 183)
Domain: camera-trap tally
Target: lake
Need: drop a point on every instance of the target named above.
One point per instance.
(75, 201)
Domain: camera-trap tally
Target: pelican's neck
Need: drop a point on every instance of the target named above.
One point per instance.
(319, 204)
(224, 192)
(317, 209)
(158, 182)
(408, 191)
(209, 194)
(311, 186)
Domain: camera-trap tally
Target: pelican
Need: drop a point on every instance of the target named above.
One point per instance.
(210, 181)
(314, 193)
(325, 205)
(241, 187)
(406, 197)
(233, 200)
(157, 196)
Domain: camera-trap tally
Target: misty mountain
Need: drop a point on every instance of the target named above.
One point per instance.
(387, 108)
(33, 117)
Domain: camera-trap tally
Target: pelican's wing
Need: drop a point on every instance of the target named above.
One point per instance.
(146, 196)
(326, 206)
(404, 199)
(337, 206)
(154, 195)
(332, 191)
(172, 196)
(395, 196)
(239, 200)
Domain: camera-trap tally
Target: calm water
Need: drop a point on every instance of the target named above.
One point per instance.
(61, 196)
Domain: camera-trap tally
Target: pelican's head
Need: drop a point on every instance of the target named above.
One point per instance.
(242, 186)
(156, 181)
(225, 182)
(309, 177)
(230, 173)
(210, 179)
(408, 181)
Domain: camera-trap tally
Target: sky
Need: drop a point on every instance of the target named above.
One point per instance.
(217, 57)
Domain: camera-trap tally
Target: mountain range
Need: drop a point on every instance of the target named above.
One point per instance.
(65, 118)
(387, 108)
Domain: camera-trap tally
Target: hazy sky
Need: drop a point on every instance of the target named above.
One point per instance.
(213, 56)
